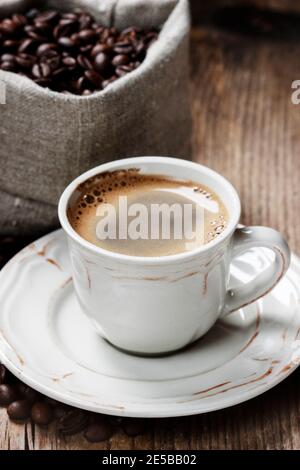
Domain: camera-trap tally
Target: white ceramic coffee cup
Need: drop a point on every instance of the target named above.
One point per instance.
(156, 305)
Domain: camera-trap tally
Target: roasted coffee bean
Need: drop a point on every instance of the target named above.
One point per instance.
(105, 35)
(69, 61)
(60, 73)
(8, 26)
(52, 62)
(69, 16)
(74, 37)
(85, 21)
(47, 16)
(83, 86)
(41, 70)
(99, 48)
(66, 42)
(19, 19)
(7, 58)
(105, 83)
(45, 48)
(67, 22)
(73, 422)
(79, 85)
(110, 42)
(25, 61)
(140, 49)
(93, 77)
(41, 413)
(120, 59)
(135, 64)
(11, 43)
(28, 28)
(134, 426)
(37, 36)
(45, 70)
(85, 49)
(61, 30)
(84, 62)
(8, 66)
(123, 70)
(3, 374)
(132, 30)
(19, 410)
(8, 394)
(52, 58)
(123, 48)
(151, 36)
(102, 62)
(42, 28)
(27, 45)
(87, 35)
(99, 431)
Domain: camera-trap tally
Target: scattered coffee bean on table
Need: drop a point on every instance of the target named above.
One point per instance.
(70, 52)
(134, 426)
(99, 431)
(42, 413)
(19, 410)
(8, 394)
(73, 422)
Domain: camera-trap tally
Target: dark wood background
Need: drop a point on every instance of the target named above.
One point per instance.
(245, 126)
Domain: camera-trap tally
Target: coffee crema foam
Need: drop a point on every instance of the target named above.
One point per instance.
(146, 189)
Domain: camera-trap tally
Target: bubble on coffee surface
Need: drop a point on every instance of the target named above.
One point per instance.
(218, 225)
(107, 187)
(98, 188)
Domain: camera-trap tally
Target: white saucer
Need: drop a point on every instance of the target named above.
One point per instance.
(51, 346)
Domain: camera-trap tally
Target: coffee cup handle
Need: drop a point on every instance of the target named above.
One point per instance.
(244, 239)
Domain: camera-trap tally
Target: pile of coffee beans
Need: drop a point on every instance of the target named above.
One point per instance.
(23, 403)
(69, 52)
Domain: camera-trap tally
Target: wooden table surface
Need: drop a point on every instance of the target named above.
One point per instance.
(245, 127)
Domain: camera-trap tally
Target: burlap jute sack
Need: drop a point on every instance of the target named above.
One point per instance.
(47, 138)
